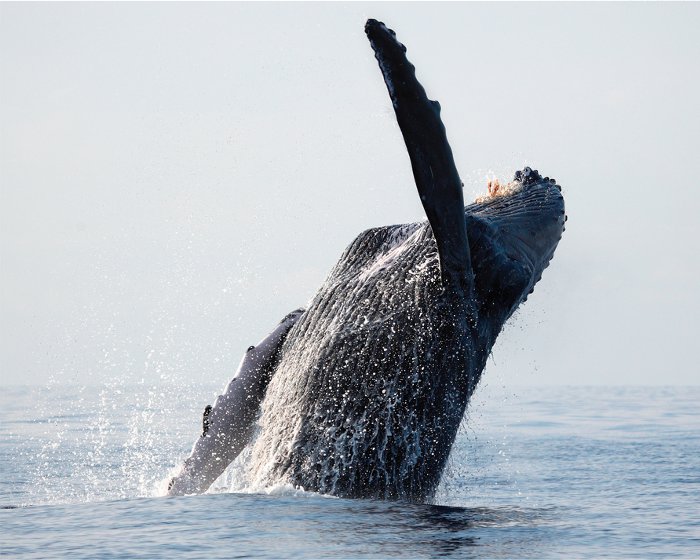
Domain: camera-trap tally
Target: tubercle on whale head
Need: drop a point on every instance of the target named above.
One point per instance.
(527, 176)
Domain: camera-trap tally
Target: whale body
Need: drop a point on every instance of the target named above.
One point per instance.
(369, 384)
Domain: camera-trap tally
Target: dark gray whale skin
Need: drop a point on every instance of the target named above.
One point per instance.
(373, 380)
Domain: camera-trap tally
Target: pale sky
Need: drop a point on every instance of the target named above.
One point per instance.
(177, 177)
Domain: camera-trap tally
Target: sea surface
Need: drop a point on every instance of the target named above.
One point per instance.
(567, 472)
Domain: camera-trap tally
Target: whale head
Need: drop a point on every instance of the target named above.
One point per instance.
(513, 233)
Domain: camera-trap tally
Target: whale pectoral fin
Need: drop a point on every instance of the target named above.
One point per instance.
(434, 170)
(228, 425)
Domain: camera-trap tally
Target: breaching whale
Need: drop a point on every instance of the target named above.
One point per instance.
(361, 395)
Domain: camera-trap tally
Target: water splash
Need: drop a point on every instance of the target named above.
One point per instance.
(87, 443)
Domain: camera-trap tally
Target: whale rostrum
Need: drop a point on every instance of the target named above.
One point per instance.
(361, 395)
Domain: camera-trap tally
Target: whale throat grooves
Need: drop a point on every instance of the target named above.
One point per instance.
(373, 380)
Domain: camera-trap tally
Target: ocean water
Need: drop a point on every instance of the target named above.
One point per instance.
(535, 473)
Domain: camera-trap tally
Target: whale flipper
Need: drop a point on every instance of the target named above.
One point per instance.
(228, 426)
(438, 182)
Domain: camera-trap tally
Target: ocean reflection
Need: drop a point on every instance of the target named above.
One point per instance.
(398, 529)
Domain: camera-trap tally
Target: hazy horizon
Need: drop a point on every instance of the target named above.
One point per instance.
(175, 178)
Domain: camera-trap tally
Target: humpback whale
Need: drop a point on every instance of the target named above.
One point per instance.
(361, 395)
